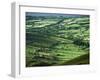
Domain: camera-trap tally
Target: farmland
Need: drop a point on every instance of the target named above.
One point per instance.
(57, 40)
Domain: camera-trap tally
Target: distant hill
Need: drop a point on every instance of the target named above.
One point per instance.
(32, 14)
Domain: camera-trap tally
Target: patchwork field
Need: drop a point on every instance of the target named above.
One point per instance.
(57, 40)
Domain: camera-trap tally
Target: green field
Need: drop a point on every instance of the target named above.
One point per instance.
(57, 40)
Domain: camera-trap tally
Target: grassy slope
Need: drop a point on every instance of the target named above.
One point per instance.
(83, 59)
(51, 40)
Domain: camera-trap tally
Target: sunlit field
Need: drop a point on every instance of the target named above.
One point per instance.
(56, 39)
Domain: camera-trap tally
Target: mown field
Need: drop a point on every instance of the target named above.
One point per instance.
(52, 41)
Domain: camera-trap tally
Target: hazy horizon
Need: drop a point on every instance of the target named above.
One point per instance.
(53, 14)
